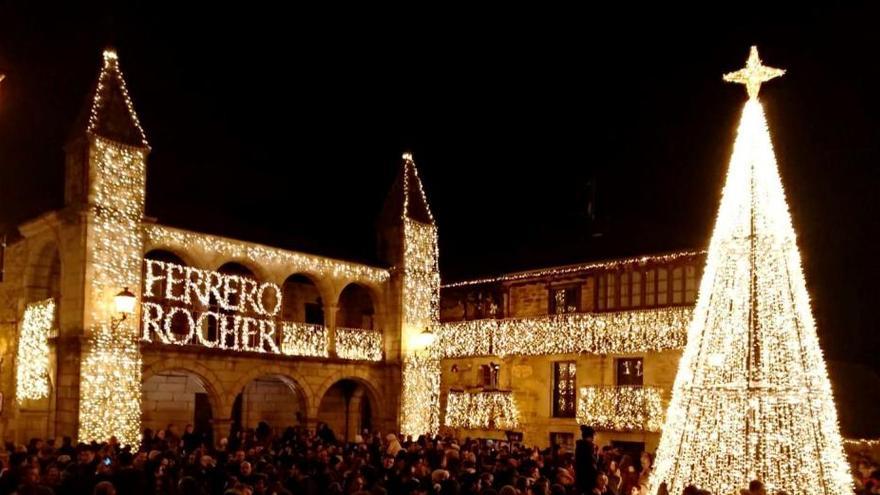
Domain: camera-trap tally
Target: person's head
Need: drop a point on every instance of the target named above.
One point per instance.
(53, 475)
(30, 475)
(587, 432)
(160, 434)
(188, 429)
(601, 481)
(246, 468)
(105, 488)
(756, 487)
(85, 456)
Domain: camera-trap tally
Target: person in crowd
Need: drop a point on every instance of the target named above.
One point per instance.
(585, 458)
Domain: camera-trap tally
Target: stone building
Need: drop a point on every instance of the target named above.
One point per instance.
(225, 333)
(595, 343)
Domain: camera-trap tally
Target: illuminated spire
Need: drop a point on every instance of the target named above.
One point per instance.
(110, 112)
(753, 74)
(752, 399)
(407, 197)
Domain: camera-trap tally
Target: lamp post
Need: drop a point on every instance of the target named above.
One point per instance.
(426, 338)
(124, 303)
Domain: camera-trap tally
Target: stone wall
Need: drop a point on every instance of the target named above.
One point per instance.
(531, 379)
(271, 400)
(169, 398)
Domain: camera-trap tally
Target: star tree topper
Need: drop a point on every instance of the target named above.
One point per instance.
(753, 74)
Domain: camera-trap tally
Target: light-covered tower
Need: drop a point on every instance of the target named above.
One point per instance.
(408, 243)
(105, 185)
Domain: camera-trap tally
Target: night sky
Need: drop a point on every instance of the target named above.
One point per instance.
(542, 137)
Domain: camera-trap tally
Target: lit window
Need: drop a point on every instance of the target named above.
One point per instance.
(630, 371)
(611, 296)
(677, 285)
(636, 291)
(650, 287)
(564, 386)
(565, 300)
(662, 286)
(690, 284)
(624, 290)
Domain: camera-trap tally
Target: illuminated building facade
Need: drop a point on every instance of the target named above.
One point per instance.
(226, 333)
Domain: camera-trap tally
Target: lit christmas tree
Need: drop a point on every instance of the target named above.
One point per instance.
(752, 398)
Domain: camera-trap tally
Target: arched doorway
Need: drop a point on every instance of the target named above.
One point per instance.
(272, 399)
(177, 398)
(348, 407)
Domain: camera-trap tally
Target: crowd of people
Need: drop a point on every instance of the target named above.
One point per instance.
(301, 462)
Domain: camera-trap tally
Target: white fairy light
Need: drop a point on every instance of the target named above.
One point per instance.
(482, 410)
(32, 359)
(304, 339)
(621, 408)
(752, 399)
(358, 344)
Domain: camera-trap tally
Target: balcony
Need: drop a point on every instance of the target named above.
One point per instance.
(304, 339)
(570, 333)
(358, 344)
(625, 408)
(481, 410)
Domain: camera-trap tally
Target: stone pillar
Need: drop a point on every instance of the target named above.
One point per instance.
(330, 321)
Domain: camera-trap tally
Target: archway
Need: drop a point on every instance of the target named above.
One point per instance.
(356, 308)
(348, 407)
(177, 398)
(301, 301)
(276, 400)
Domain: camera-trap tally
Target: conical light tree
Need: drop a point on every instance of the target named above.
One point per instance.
(752, 399)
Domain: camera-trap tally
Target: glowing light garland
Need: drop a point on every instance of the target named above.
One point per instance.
(572, 269)
(752, 399)
(110, 384)
(160, 236)
(420, 400)
(483, 410)
(594, 333)
(32, 360)
(420, 395)
(358, 344)
(622, 408)
(111, 370)
(304, 339)
(868, 443)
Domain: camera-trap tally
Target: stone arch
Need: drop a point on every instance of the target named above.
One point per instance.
(352, 298)
(205, 375)
(293, 295)
(42, 277)
(344, 413)
(185, 258)
(295, 383)
(171, 394)
(258, 271)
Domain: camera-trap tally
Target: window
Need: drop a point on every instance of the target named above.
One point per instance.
(602, 284)
(690, 284)
(611, 299)
(650, 287)
(677, 285)
(630, 371)
(662, 286)
(489, 375)
(564, 387)
(565, 300)
(624, 290)
(636, 291)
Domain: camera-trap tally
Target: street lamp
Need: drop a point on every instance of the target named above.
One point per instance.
(426, 338)
(124, 302)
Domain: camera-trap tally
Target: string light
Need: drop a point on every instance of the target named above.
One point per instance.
(110, 387)
(869, 443)
(752, 399)
(304, 339)
(32, 361)
(420, 399)
(579, 268)
(358, 344)
(420, 394)
(570, 333)
(111, 74)
(483, 410)
(272, 258)
(621, 408)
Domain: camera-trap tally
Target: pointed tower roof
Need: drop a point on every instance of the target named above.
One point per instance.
(109, 112)
(407, 197)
